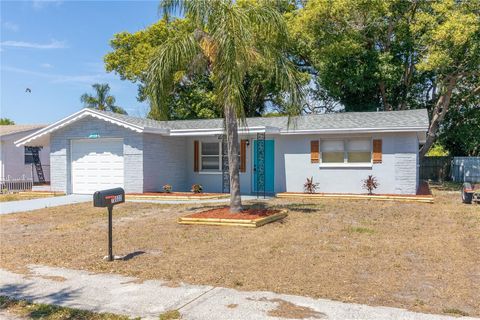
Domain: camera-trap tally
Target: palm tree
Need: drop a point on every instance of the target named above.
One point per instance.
(6, 122)
(101, 100)
(226, 41)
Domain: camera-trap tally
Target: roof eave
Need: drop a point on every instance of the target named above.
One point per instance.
(219, 131)
(354, 130)
(72, 118)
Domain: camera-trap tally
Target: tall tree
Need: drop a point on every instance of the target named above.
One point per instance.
(192, 95)
(393, 55)
(6, 122)
(102, 100)
(226, 41)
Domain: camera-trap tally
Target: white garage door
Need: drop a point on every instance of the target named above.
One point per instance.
(96, 165)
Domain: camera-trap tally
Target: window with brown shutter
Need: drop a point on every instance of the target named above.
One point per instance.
(314, 151)
(243, 155)
(196, 155)
(377, 151)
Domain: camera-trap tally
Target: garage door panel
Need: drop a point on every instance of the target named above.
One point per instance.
(97, 164)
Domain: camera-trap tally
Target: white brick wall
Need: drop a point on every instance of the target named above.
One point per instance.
(60, 152)
(164, 162)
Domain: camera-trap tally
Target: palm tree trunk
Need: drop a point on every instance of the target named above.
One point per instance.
(231, 127)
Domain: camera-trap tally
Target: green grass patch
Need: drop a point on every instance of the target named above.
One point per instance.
(363, 230)
(455, 311)
(446, 186)
(171, 315)
(42, 311)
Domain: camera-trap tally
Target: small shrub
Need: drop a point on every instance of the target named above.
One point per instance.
(197, 188)
(167, 188)
(171, 315)
(370, 184)
(360, 230)
(310, 186)
(455, 311)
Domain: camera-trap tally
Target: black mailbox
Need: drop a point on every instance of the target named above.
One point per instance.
(109, 197)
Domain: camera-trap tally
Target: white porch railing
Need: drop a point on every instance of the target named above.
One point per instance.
(10, 184)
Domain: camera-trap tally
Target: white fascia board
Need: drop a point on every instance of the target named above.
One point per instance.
(72, 118)
(217, 131)
(354, 130)
(163, 132)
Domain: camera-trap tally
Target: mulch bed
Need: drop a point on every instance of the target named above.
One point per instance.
(224, 213)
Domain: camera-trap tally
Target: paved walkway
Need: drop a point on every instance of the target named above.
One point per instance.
(148, 299)
(34, 204)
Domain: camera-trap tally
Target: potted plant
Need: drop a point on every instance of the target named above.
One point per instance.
(370, 184)
(310, 186)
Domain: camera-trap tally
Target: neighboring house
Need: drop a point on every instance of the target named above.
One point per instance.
(18, 162)
(93, 150)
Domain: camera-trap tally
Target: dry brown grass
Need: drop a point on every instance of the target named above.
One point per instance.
(424, 257)
(27, 195)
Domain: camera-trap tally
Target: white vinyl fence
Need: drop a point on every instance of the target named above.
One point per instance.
(466, 169)
(9, 184)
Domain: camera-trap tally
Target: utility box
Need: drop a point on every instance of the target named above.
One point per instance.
(108, 197)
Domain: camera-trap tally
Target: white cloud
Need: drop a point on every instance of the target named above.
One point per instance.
(61, 78)
(54, 44)
(46, 65)
(10, 26)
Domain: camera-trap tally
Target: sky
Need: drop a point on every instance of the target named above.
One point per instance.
(56, 49)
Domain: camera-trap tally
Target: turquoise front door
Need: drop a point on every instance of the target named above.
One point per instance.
(268, 166)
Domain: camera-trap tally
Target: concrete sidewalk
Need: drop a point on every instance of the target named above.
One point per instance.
(34, 204)
(148, 299)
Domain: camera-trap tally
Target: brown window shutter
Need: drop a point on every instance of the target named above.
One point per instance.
(243, 155)
(196, 155)
(377, 151)
(314, 151)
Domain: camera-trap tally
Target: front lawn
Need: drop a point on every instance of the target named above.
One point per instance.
(423, 257)
(25, 309)
(26, 196)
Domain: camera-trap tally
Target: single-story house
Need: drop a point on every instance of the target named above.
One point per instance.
(19, 162)
(93, 150)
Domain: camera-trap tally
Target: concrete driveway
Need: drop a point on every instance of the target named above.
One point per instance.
(34, 204)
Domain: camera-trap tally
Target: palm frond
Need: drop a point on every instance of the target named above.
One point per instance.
(173, 56)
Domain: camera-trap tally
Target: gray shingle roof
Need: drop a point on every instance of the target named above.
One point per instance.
(17, 128)
(344, 120)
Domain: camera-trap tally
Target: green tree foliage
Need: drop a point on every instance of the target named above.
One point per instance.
(460, 133)
(192, 95)
(102, 100)
(392, 55)
(229, 40)
(6, 122)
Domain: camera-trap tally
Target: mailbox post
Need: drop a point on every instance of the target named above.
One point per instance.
(108, 198)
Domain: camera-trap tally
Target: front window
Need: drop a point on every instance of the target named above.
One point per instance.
(359, 151)
(210, 156)
(28, 155)
(346, 151)
(332, 151)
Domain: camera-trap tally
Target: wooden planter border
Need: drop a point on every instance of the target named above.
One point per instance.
(251, 223)
(173, 197)
(375, 197)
